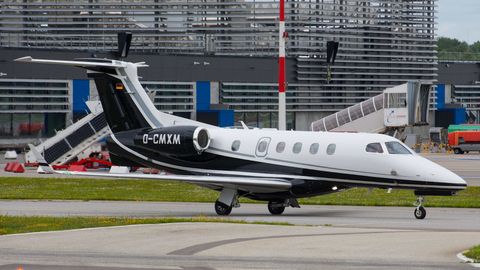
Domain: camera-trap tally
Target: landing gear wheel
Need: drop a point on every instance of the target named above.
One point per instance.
(222, 209)
(274, 209)
(420, 212)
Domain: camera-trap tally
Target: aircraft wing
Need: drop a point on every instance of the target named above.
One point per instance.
(263, 183)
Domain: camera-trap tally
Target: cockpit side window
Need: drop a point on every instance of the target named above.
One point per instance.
(374, 148)
(397, 148)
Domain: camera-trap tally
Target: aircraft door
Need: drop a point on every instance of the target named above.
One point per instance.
(262, 147)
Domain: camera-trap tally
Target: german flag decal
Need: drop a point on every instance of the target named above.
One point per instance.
(119, 86)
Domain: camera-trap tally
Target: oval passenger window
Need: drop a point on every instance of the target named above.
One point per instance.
(262, 146)
(280, 147)
(314, 148)
(297, 147)
(236, 145)
(331, 149)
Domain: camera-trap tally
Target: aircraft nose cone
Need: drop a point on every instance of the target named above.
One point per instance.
(442, 175)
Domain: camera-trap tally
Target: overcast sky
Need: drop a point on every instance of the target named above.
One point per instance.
(459, 19)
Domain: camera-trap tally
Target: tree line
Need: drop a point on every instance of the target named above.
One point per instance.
(455, 50)
(446, 44)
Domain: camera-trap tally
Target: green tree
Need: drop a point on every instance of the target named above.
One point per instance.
(446, 44)
(475, 47)
(453, 49)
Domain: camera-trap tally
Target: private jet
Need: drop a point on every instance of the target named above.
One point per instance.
(259, 164)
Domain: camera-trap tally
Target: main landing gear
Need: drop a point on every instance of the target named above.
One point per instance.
(420, 211)
(222, 209)
(229, 199)
(277, 207)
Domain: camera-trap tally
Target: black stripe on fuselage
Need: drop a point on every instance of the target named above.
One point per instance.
(213, 164)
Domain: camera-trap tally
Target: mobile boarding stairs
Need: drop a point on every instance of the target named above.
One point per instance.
(396, 108)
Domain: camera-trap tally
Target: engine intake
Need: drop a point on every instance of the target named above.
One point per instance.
(174, 140)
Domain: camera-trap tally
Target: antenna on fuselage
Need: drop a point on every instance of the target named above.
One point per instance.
(124, 41)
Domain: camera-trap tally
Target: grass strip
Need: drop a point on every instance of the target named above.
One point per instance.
(24, 224)
(474, 254)
(154, 190)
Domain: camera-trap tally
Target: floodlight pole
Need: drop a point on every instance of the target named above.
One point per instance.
(282, 84)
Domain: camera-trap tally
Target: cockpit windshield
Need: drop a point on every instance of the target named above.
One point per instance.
(397, 148)
(374, 148)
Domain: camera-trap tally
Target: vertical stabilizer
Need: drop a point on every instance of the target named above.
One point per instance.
(125, 102)
(120, 110)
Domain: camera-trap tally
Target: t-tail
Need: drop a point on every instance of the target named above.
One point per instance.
(125, 102)
(138, 128)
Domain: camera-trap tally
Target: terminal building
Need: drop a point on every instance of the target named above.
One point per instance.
(217, 61)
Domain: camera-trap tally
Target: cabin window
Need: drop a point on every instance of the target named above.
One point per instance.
(297, 147)
(314, 148)
(262, 147)
(331, 149)
(374, 148)
(236, 145)
(397, 148)
(280, 147)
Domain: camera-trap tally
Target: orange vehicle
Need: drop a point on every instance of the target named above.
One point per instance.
(464, 141)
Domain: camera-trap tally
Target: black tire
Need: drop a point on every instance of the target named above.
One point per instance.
(274, 209)
(420, 213)
(222, 209)
(457, 151)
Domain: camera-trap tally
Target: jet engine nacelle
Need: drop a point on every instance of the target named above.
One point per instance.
(174, 140)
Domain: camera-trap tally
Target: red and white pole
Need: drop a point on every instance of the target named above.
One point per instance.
(282, 84)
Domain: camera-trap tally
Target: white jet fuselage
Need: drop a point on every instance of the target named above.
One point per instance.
(347, 158)
(261, 164)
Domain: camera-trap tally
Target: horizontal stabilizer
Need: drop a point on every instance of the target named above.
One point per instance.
(80, 63)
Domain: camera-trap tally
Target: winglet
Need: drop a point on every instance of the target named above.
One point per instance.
(41, 161)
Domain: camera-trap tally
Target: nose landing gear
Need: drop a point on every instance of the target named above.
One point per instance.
(420, 211)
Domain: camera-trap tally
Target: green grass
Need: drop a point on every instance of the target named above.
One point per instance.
(24, 224)
(469, 198)
(151, 190)
(101, 189)
(474, 254)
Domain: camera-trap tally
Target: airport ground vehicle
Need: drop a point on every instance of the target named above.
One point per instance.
(464, 141)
